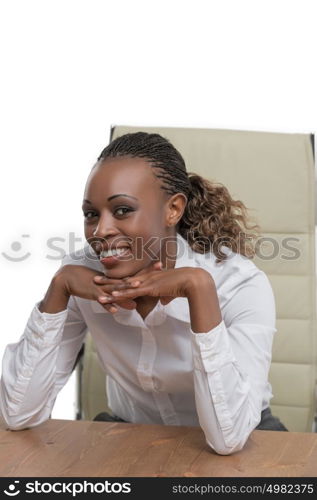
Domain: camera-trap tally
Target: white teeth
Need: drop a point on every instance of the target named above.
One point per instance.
(109, 253)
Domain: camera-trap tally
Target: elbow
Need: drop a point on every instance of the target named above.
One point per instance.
(21, 425)
(16, 427)
(226, 449)
(10, 423)
(16, 422)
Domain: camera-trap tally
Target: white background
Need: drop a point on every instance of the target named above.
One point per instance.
(72, 68)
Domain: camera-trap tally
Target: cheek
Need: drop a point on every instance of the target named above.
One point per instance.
(89, 235)
(146, 248)
(150, 222)
(88, 231)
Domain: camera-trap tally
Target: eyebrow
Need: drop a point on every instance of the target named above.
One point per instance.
(112, 197)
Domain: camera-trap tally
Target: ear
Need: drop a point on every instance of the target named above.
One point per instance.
(175, 208)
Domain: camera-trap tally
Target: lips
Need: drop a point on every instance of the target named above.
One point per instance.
(104, 246)
(112, 252)
(112, 259)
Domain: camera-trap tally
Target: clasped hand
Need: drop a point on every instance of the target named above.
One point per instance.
(167, 284)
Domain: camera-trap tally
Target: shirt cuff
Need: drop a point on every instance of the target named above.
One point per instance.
(46, 315)
(44, 329)
(212, 350)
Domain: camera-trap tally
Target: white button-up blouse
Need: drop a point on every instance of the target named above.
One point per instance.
(158, 370)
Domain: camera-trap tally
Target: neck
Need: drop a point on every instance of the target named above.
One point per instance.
(168, 253)
(167, 256)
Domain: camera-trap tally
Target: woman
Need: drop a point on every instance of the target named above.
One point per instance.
(182, 319)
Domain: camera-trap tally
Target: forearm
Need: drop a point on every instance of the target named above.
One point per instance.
(56, 298)
(227, 408)
(231, 366)
(223, 433)
(228, 395)
(205, 313)
(30, 371)
(27, 401)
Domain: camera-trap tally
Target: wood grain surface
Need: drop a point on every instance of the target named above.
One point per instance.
(66, 448)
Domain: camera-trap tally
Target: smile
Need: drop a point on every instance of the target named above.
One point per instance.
(114, 256)
(114, 252)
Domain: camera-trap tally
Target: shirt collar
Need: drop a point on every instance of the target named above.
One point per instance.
(178, 308)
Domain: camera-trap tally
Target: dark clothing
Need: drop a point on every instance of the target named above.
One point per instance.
(106, 417)
(269, 422)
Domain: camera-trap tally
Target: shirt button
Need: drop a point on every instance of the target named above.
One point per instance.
(26, 372)
(156, 386)
(204, 340)
(218, 398)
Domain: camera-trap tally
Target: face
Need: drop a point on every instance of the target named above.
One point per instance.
(128, 216)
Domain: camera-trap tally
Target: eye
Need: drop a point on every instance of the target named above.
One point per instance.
(86, 214)
(123, 210)
(120, 212)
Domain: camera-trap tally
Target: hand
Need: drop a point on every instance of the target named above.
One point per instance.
(108, 285)
(167, 284)
(78, 281)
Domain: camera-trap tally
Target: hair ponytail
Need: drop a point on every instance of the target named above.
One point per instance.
(212, 218)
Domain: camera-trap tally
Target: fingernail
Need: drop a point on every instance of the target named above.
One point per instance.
(116, 294)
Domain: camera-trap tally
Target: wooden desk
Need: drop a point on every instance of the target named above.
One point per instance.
(85, 449)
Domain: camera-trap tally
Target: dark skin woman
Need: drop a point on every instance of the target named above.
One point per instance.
(187, 338)
(117, 214)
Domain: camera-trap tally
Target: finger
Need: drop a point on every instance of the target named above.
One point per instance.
(110, 308)
(154, 266)
(134, 281)
(158, 266)
(131, 294)
(124, 302)
(124, 286)
(125, 283)
(113, 307)
(103, 279)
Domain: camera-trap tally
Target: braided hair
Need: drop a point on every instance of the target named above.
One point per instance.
(211, 218)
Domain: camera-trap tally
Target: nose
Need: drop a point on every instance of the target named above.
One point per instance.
(105, 227)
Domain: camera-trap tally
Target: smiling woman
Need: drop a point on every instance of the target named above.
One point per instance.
(131, 218)
(182, 319)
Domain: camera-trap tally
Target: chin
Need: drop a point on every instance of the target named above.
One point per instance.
(120, 272)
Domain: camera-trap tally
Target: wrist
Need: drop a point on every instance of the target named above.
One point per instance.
(198, 282)
(205, 313)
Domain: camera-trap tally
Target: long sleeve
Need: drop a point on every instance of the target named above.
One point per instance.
(231, 366)
(39, 365)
